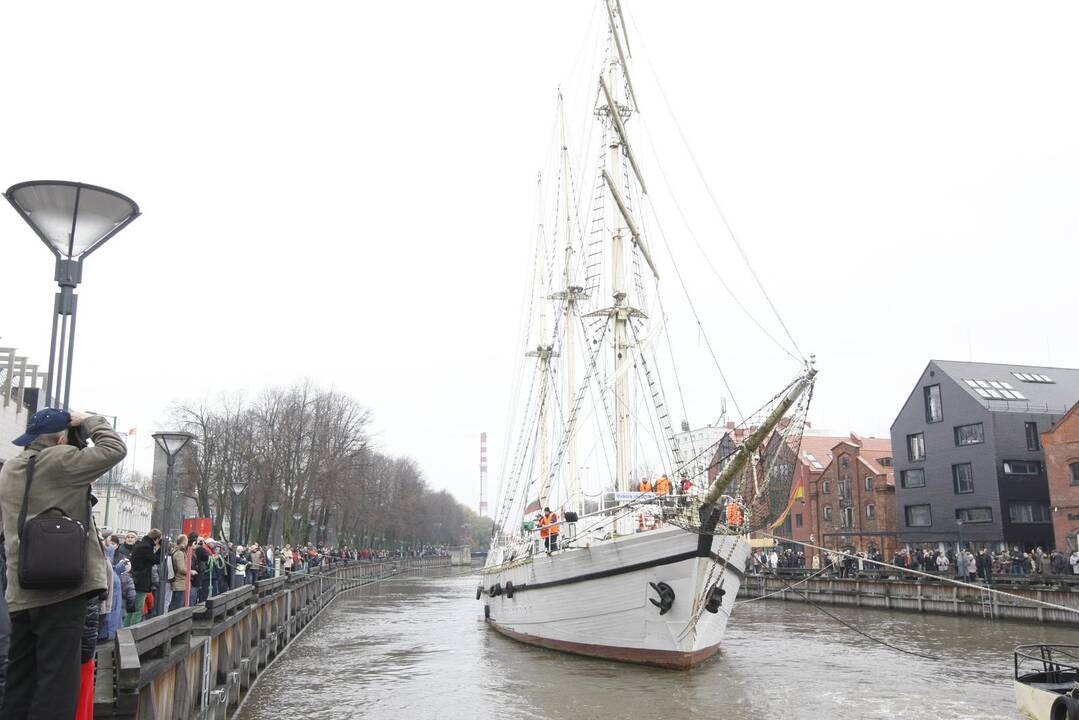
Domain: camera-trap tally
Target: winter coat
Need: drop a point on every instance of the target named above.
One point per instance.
(143, 559)
(62, 478)
(179, 566)
(112, 621)
(89, 631)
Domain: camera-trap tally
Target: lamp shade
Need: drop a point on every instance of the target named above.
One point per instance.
(296, 516)
(238, 487)
(172, 442)
(73, 219)
(275, 506)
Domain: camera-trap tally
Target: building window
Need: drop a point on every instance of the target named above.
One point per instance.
(848, 517)
(814, 461)
(826, 488)
(844, 487)
(869, 483)
(974, 515)
(845, 461)
(828, 512)
(934, 413)
(1075, 473)
(885, 462)
(1033, 377)
(912, 478)
(870, 511)
(919, 516)
(1022, 467)
(916, 447)
(1026, 513)
(798, 520)
(969, 434)
(963, 478)
(1032, 436)
(993, 390)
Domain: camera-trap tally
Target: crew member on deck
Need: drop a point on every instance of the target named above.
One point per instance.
(549, 529)
(645, 485)
(663, 487)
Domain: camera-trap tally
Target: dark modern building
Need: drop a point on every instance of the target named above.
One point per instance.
(968, 455)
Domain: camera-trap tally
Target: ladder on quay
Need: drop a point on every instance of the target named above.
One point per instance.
(988, 611)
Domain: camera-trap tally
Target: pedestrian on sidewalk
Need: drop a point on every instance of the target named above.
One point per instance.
(47, 623)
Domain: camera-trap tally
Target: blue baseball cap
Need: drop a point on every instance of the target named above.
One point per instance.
(43, 422)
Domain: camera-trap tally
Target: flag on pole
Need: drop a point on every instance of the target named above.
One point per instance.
(132, 431)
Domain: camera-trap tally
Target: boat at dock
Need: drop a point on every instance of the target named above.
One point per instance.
(1047, 681)
(635, 573)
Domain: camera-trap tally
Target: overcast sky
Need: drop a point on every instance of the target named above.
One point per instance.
(344, 191)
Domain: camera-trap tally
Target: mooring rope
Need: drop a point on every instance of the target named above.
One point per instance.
(912, 571)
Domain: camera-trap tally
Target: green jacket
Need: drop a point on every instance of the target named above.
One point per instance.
(62, 477)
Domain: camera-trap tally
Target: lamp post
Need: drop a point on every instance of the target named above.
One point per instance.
(959, 524)
(296, 527)
(171, 443)
(238, 488)
(73, 220)
(274, 507)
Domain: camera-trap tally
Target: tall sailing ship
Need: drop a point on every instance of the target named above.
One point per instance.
(636, 576)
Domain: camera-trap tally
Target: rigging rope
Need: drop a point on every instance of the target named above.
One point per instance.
(712, 196)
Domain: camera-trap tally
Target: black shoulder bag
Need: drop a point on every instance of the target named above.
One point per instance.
(52, 546)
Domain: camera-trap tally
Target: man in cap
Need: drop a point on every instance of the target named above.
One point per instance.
(47, 625)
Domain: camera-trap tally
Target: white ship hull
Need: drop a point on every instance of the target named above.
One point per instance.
(596, 600)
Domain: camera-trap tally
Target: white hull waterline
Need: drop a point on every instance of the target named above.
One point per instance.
(597, 600)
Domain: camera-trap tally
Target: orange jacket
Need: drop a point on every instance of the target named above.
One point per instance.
(644, 486)
(551, 521)
(734, 514)
(663, 487)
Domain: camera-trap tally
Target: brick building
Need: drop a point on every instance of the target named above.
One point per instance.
(814, 454)
(851, 502)
(1061, 445)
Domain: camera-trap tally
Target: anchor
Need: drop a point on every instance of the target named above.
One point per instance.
(666, 597)
(715, 599)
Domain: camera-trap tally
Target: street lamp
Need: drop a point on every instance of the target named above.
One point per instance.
(959, 524)
(171, 443)
(73, 220)
(296, 527)
(274, 507)
(238, 486)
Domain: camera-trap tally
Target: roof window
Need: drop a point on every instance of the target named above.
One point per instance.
(1033, 377)
(995, 390)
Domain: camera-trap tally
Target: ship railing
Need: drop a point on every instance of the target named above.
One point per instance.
(1056, 665)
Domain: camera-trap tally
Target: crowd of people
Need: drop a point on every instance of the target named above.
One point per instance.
(963, 564)
(66, 592)
(198, 568)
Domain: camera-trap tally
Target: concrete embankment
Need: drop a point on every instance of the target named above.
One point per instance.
(927, 596)
(197, 663)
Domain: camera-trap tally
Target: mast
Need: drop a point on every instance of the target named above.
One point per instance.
(544, 352)
(620, 311)
(570, 294)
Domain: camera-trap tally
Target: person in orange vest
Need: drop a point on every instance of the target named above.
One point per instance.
(663, 487)
(645, 485)
(549, 529)
(734, 514)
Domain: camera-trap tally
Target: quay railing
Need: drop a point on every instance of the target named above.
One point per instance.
(883, 589)
(197, 663)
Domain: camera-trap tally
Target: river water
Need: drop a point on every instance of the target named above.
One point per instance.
(417, 647)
